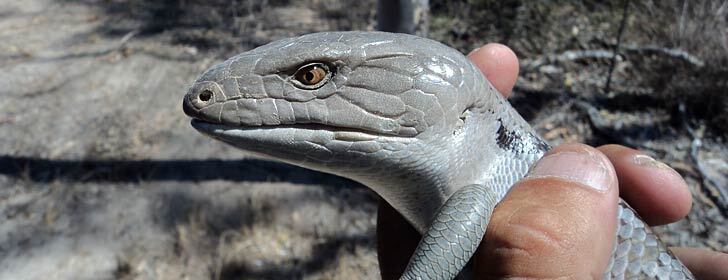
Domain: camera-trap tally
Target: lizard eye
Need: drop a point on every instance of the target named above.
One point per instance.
(312, 76)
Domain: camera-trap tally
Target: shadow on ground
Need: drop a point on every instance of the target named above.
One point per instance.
(120, 171)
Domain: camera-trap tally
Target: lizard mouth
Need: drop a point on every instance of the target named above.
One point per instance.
(214, 118)
(327, 131)
(228, 116)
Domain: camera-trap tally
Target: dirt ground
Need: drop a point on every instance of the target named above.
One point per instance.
(101, 176)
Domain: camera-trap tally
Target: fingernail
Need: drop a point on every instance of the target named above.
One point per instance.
(585, 168)
(649, 162)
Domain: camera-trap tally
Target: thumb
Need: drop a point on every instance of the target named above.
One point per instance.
(559, 221)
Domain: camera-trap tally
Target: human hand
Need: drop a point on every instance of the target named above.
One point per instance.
(564, 232)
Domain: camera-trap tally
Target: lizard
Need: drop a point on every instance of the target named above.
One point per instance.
(410, 118)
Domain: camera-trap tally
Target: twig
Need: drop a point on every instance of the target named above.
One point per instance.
(713, 190)
(574, 55)
(674, 53)
(602, 126)
(622, 25)
(539, 91)
(127, 37)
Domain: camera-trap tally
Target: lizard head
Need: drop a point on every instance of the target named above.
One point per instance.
(363, 105)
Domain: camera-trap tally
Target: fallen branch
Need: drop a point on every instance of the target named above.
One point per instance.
(575, 55)
(567, 56)
(673, 53)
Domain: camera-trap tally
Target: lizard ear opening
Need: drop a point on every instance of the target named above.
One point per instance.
(460, 124)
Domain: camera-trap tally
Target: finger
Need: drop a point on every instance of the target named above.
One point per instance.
(499, 64)
(704, 264)
(657, 192)
(559, 221)
(396, 240)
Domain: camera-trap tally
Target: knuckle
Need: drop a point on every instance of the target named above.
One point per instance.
(541, 232)
(536, 243)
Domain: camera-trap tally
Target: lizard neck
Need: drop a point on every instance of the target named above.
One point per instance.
(494, 148)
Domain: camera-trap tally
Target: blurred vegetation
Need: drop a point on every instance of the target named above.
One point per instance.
(649, 68)
(649, 65)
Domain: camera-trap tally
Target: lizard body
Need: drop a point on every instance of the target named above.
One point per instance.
(408, 117)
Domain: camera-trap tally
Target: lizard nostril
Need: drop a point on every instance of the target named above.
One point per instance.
(205, 95)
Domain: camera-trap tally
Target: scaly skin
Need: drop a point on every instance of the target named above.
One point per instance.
(408, 117)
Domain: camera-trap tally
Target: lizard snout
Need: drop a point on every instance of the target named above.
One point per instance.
(194, 101)
(203, 101)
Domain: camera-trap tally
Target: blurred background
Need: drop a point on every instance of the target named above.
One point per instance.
(101, 176)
